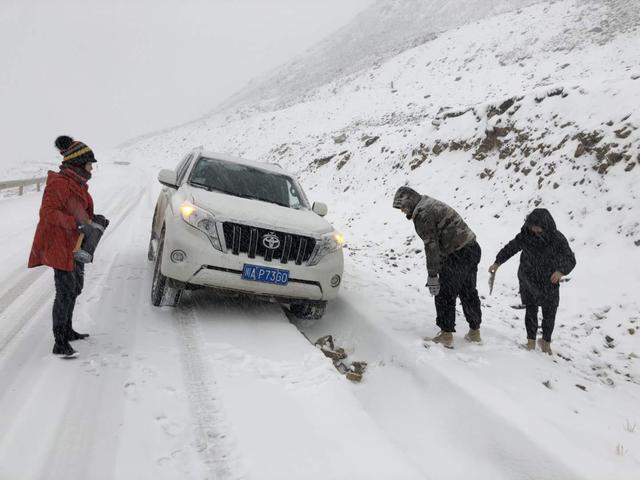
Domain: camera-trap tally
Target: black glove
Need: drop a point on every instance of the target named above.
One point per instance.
(433, 284)
(101, 220)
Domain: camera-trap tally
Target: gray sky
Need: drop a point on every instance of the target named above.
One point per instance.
(105, 71)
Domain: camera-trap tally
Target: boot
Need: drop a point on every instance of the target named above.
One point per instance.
(531, 344)
(73, 335)
(473, 335)
(444, 338)
(64, 350)
(545, 346)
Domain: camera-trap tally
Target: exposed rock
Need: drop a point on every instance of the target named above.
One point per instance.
(438, 147)
(322, 161)
(623, 133)
(490, 142)
(340, 138)
(419, 155)
(487, 173)
(551, 93)
(506, 105)
(344, 158)
(506, 151)
(589, 139)
(455, 113)
(368, 141)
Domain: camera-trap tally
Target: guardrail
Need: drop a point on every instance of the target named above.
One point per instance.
(20, 184)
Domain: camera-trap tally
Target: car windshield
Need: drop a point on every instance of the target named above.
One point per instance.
(247, 182)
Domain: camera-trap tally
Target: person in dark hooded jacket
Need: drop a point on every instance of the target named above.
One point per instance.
(452, 254)
(66, 214)
(546, 257)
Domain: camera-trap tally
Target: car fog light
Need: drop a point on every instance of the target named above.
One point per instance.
(178, 256)
(335, 281)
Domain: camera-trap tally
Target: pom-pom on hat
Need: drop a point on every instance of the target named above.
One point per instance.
(74, 152)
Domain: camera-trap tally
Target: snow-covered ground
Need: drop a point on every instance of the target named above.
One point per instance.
(538, 106)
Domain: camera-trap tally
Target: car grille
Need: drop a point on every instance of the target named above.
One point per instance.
(250, 240)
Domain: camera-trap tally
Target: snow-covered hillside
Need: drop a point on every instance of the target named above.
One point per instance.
(535, 106)
(386, 29)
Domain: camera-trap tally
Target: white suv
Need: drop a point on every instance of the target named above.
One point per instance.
(242, 226)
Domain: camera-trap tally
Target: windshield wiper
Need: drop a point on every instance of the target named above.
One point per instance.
(252, 197)
(209, 188)
(201, 185)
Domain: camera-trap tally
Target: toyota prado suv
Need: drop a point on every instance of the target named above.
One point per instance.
(242, 226)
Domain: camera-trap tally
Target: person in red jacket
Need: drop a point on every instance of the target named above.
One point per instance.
(66, 210)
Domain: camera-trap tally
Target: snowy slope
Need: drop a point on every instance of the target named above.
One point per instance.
(384, 30)
(537, 106)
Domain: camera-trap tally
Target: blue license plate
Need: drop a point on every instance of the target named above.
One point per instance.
(256, 273)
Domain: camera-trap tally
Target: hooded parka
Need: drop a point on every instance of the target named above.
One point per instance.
(542, 255)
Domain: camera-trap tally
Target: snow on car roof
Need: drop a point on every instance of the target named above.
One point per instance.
(271, 167)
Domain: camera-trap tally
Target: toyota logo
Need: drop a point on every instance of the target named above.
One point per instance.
(271, 241)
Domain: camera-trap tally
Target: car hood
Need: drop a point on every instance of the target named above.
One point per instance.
(257, 213)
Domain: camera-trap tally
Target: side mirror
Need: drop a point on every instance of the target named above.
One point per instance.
(168, 178)
(320, 208)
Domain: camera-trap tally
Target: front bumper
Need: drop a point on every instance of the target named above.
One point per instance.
(206, 266)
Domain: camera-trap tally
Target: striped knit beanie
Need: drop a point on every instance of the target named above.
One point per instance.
(74, 152)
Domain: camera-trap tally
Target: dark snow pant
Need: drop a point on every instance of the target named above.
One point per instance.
(458, 276)
(548, 320)
(68, 287)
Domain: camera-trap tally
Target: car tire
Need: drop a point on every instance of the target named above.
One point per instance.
(161, 293)
(308, 310)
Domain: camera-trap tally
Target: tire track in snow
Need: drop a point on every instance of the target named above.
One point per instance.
(293, 415)
(214, 444)
(499, 446)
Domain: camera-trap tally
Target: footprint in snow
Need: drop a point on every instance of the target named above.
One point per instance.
(168, 427)
(131, 391)
(92, 367)
(169, 390)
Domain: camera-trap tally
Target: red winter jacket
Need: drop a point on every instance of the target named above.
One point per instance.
(65, 204)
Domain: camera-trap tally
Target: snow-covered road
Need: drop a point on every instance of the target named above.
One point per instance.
(213, 389)
(226, 389)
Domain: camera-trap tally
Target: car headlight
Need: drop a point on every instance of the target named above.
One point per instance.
(327, 244)
(202, 220)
